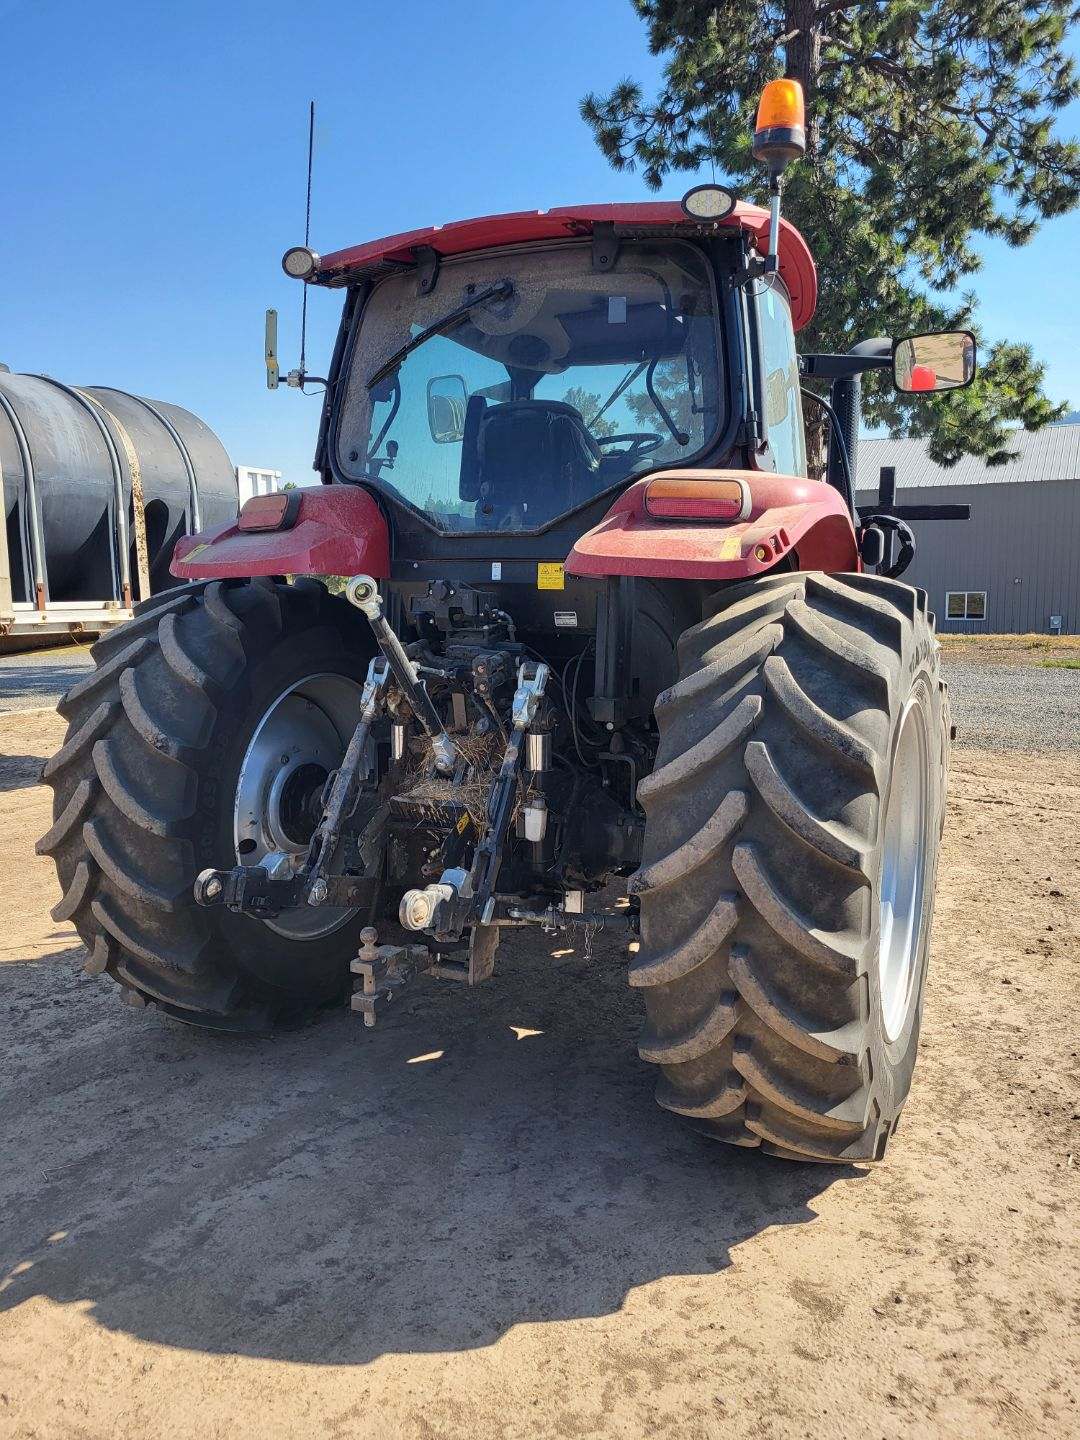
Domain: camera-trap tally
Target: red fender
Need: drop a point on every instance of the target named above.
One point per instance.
(338, 530)
(789, 516)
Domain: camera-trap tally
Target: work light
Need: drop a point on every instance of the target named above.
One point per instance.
(300, 263)
(708, 203)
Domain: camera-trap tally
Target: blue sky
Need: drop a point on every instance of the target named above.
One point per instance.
(153, 174)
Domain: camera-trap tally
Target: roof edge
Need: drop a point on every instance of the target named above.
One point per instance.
(460, 237)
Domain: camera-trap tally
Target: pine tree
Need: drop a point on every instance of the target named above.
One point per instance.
(587, 405)
(928, 126)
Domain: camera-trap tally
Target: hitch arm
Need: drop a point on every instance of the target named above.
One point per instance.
(487, 857)
(532, 681)
(363, 592)
(251, 889)
(345, 784)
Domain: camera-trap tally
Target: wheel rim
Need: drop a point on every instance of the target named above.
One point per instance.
(300, 738)
(903, 870)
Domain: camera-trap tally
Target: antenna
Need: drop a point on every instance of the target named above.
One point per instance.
(299, 263)
(307, 235)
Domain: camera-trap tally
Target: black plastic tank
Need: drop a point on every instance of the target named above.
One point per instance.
(76, 453)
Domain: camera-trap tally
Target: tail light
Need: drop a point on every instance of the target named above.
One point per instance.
(270, 512)
(721, 501)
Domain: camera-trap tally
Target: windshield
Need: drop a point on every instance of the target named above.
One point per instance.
(552, 383)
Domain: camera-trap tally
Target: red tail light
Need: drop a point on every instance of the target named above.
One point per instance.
(669, 498)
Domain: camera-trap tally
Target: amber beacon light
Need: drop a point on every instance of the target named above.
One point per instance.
(779, 138)
(780, 132)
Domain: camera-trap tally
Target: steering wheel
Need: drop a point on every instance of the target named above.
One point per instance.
(637, 445)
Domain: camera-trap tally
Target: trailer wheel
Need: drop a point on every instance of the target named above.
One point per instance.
(203, 737)
(786, 888)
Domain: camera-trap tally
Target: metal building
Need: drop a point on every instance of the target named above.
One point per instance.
(1014, 567)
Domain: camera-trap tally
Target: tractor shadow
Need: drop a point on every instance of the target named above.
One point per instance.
(20, 772)
(480, 1160)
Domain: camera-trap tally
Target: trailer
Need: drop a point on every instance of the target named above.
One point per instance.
(98, 485)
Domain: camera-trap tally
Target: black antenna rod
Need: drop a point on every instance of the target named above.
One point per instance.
(307, 238)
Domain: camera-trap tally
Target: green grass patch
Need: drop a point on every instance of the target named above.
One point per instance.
(1061, 664)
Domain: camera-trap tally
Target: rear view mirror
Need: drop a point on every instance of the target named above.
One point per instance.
(927, 364)
(447, 397)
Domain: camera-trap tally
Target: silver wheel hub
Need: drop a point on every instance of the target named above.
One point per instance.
(298, 741)
(903, 870)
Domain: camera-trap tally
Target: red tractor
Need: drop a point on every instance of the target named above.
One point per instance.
(599, 623)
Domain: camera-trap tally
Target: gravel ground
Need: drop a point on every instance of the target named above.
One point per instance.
(38, 678)
(1013, 707)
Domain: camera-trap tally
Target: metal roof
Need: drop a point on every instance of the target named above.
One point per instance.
(1049, 454)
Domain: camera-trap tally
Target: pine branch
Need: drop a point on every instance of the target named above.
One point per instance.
(931, 125)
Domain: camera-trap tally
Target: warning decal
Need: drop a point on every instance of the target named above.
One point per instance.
(550, 576)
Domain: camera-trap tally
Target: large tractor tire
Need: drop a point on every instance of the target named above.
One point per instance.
(793, 821)
(203, 737)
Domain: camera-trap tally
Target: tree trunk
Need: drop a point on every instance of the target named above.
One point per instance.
(817, 431)
(803, 59)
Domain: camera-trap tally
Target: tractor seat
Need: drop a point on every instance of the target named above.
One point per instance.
(526, 461)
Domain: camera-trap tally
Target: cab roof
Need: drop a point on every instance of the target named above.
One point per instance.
(569, 222)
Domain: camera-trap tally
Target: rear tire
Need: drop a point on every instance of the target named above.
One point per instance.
(793, 820)
(146, 790)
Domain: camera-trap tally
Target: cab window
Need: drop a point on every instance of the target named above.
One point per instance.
(533, 401)
(783, 402)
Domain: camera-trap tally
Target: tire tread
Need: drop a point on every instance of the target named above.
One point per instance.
(755, 883)
(125, 787)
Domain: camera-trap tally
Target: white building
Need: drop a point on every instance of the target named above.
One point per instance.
(255, 480)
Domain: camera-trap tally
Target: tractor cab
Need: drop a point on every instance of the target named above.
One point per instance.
(509, 376)
(551, 383)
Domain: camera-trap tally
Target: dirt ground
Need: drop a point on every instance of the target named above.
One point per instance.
(474, 1222)
(1012, 649)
